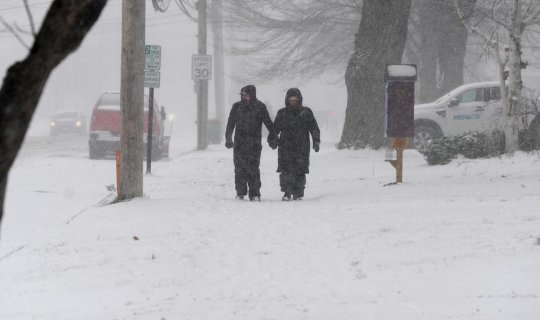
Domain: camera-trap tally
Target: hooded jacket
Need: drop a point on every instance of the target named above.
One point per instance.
(294, 125)
(246, 120)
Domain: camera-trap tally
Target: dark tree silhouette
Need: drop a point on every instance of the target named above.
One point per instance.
(66, 24)
(380, 40)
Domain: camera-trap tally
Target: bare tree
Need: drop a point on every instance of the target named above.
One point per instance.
(437, 43)
(66, 24)
(501, 25)
(287, 38)
(380, 40)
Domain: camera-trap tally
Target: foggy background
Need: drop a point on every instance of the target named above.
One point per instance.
(95, 68)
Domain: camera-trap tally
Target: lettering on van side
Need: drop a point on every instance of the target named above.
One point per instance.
(474, 116)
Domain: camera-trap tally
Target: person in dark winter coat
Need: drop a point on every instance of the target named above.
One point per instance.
(294, 124)
(246, 119)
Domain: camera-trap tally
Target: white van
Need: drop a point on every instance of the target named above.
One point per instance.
(470, 107)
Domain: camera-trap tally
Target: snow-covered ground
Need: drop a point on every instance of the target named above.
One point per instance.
(460, 241)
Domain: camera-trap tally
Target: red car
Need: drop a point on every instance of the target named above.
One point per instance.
(106, 126)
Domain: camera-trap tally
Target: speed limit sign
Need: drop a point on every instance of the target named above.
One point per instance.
(201, 67)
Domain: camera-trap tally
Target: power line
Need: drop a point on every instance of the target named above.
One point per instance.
(4, 34)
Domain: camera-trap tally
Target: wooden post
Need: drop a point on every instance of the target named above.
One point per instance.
(202, 92)
(132, 98)
(399, 165)
(118, 171)
(399, 144)
(219, 74)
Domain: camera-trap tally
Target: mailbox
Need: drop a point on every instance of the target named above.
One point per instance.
(399, 100)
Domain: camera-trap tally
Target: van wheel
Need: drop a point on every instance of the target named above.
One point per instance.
(95, 152)
(423, 134)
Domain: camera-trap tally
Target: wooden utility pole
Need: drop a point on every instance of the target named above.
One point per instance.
(219, 74)
(132, 99)
(202, 88)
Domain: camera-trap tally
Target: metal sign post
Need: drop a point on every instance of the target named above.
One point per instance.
(152, 63)
(399, 111)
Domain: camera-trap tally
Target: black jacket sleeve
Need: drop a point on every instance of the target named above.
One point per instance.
(268, 123)
(277, 124)
(231, 123)
(314, 128)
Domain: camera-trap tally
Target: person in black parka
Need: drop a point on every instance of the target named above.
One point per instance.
(246, 119)
(293, 125)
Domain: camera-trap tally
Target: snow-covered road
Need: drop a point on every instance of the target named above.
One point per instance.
(460, 241)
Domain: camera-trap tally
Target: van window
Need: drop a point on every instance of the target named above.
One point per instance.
(471, 96)
(493, 94)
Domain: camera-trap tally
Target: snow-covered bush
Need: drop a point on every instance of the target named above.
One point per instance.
(439, 151)
(471, 145)
(528, 140)
(475, 145)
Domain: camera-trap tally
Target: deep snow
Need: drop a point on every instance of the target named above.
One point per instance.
(459, 241)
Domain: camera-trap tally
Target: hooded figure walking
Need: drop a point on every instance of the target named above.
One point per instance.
(294, 124)
(246, 119)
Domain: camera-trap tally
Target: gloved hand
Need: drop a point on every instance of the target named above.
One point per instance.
(316, 146)
(272, 144)
(229, 144)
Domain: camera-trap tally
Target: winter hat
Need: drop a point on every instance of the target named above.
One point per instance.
(293, 92)
(249, 90)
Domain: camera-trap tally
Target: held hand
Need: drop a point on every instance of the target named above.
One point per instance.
(272, 144)
(229, 144)
(316, 147)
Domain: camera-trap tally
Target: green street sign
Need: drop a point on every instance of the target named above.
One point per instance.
(152, 59)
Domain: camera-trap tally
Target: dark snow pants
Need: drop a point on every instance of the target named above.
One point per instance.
(292, 183)
(246, 171)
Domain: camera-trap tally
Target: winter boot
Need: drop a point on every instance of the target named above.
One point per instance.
(255, 198)
(286, 197)
(239, 197)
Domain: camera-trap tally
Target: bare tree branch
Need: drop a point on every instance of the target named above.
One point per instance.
(30, 18)
(21, 30)
(15, 34)
(284, 38)
(184, 8)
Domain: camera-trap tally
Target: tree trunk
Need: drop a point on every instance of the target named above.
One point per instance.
(380, 40)
(443, 47)
(66, 24)
(515, 84)
(452, 48)
(429, 31)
